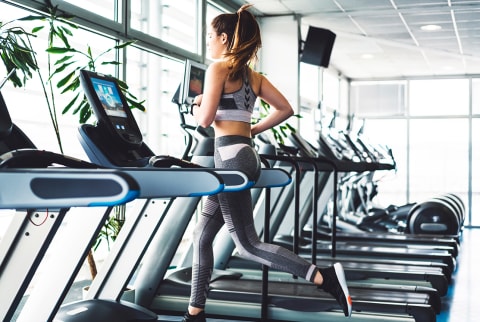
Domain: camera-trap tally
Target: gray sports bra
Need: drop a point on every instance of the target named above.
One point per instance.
(237, 106)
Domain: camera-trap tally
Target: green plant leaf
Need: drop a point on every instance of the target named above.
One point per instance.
(63, 59)
(135, 104)
(113, 62)
(81, 106)
(60, 33)
(31, 18)
(125, 44)
(67, 31)
(70, 104)
(60, 50)
(37, 29)
(85, 113)
(65, 79)
(73, 86)
(61, 69)
(128, 94)
(122, 85)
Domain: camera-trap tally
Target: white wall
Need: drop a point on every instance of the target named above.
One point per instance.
(279, 58)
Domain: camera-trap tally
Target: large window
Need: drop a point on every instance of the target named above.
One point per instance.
(439, 97)
(376, 99)
(432, 136)
(157, 79)
(475, 182)
(476, 96)
(438, 157)
(390, 134)
(173, 21)
(105, 8)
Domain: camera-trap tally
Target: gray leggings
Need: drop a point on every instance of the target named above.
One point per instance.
(236, 211)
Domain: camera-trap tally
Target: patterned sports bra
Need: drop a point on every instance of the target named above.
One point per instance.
(237, 106)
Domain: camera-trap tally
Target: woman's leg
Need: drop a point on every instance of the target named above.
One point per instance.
(207, 227)
(237, 210)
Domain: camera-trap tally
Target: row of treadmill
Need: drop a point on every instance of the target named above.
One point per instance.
(315, 199)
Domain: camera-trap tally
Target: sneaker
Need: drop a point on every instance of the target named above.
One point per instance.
(334, 282)
(200, 317)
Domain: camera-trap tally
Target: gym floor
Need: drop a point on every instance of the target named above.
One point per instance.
(460, 304)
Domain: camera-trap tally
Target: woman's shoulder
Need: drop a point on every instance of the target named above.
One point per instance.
(219, 67)
(256, 79)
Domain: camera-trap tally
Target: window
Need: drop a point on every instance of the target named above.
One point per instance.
(438, 157)
(476, 96)
(155, 79)
(475, 173)
(309, 101)
(377, 99)
(212, 12)
(390, 134)
(173, 21)
(104, 8)
(439, 97)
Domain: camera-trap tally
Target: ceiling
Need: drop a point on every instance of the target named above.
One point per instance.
(383, 39)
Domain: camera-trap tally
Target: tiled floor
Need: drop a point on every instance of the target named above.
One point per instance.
(460, 304)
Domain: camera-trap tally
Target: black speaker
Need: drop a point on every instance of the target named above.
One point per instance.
(318, 46)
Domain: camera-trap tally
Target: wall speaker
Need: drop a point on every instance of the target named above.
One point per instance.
(318, 46)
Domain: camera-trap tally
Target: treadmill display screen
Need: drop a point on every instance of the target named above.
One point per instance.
(111, 108)
(193, 81)
(109, 97)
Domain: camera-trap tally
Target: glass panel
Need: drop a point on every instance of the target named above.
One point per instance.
(475, 211)
(476, 96)
(175, 22)
(309, 100)
(377, 98)
(438, 158)
(156, 79)
(439, 97)
(104, 8)
(331, 84)
(212, 12)
(392, 185)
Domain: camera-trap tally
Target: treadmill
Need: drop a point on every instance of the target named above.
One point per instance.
(45, 188)
(162, 248)
(446, 252)
(341, 145)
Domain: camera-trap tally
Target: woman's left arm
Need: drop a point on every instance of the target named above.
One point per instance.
(280, 108)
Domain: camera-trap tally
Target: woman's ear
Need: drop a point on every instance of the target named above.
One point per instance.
(224, 38)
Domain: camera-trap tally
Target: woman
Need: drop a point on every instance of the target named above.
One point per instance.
(231, 88)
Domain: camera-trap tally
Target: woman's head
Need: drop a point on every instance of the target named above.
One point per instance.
(241, 35)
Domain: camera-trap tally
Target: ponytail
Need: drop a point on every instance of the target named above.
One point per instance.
(244, 38)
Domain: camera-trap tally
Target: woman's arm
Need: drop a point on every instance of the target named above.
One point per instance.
(208, 102)
(280, 108)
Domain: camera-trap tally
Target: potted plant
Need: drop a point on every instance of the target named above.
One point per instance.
(62, 75)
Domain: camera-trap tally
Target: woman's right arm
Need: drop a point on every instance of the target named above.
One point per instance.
(208, 102)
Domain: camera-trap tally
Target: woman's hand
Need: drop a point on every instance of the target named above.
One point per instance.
(198, 100)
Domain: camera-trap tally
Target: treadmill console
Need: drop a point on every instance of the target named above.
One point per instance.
(111, 108)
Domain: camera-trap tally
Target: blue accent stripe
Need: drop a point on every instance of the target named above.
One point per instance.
(131, 195)
(220, 188)
(248, 185)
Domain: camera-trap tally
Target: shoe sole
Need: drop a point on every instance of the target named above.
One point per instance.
(343, 284)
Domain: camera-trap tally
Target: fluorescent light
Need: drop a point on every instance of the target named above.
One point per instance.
(431, 27)
(367, 56)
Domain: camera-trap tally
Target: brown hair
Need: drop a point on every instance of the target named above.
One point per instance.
(243, 35)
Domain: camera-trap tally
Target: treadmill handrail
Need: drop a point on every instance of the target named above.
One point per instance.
(65, 188)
